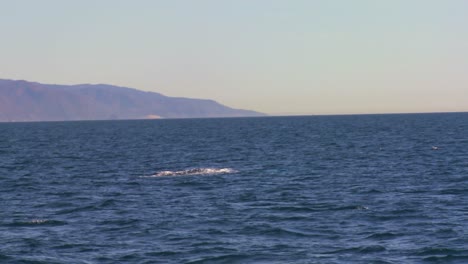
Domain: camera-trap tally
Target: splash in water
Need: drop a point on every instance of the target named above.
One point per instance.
(196, 171)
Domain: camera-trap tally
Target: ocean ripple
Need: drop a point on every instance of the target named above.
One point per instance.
(349, 189)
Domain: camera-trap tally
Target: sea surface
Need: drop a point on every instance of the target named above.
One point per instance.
(316, 189)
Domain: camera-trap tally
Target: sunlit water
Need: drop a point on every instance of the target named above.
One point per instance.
(325, 189)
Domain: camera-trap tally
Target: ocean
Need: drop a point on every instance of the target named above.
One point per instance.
(312, 189)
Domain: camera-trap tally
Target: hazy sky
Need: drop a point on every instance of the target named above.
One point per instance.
(274, 56)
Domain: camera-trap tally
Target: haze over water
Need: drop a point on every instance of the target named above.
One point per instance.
(321, 189)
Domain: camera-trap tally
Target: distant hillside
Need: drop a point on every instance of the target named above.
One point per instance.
(30, 101)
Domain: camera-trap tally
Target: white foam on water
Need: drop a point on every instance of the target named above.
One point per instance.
(362, 207)
(38, 221)
(196, 171)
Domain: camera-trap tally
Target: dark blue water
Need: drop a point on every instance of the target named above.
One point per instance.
(324, 189)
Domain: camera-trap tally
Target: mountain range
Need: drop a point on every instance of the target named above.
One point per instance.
(31, 101)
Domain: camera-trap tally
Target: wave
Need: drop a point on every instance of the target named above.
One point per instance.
(36, 222)
(195, 171)
(361, 249)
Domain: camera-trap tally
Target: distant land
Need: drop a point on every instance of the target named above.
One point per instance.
(22, 101)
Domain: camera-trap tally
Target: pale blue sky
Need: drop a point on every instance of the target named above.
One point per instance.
(274, 56)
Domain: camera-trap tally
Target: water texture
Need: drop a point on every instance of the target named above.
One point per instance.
(318, 189)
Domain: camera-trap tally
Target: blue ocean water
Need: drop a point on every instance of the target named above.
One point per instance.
(317, 189)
